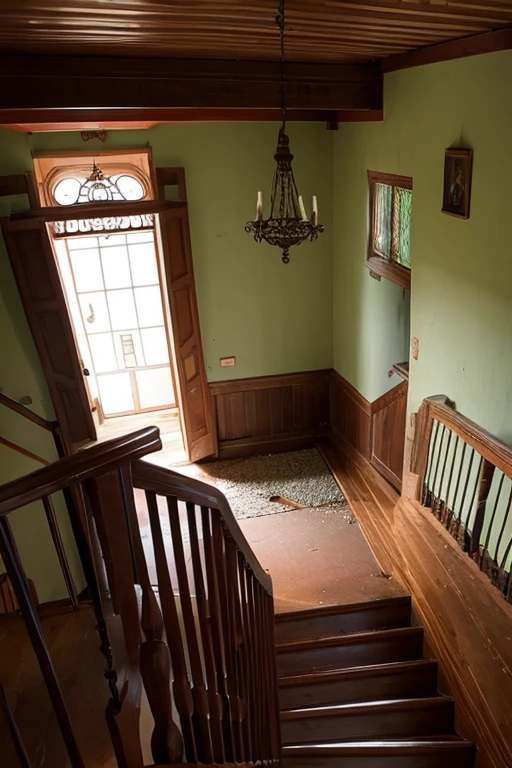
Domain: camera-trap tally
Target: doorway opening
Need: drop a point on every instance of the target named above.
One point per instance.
(113, 287)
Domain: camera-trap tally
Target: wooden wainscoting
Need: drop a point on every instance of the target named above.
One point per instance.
(376, 430)
(388, 433)
(351, 415)
(271, 413)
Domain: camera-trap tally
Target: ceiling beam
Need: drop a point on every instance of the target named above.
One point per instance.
(64, 85)
(488, 42)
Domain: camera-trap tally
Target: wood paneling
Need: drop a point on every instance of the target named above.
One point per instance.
(43, 300)
(388, 433)
(326, 30)
(376, 430)
(467, 623)
(271, 412)
(351, 415)
(194, 397)
(38, 89)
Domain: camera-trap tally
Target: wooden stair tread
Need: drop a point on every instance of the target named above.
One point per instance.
(337, 610)
(393, 746)
(337, 620)
(340, 710)
(356, 638)
(367, 670)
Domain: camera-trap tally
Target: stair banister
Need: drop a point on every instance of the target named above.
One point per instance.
(201, 644)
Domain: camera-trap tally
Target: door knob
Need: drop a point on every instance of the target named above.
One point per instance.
(86, 372)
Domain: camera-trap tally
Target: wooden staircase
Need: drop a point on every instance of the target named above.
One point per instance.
(355, 692)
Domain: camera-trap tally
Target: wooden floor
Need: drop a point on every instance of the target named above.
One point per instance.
(73, 643)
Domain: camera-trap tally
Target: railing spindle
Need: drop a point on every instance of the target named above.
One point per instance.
(199, 697)
(181, 686)
(240, 650)
(51, 517)
(19, 747)
(214, 699)
(250, 667)
(216, 631)
(228, 628)
(10, 556)
(485, 477)
(155, 662)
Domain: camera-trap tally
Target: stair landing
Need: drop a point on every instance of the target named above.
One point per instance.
(317, 557)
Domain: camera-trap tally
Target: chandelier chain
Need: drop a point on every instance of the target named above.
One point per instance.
(280, 20)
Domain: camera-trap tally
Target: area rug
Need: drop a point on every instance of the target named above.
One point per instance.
(300, 476)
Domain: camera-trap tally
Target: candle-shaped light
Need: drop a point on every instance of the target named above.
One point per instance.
(302, 209)
(259, 206)
(314, 211)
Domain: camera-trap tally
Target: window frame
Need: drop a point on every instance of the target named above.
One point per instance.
(377, 264)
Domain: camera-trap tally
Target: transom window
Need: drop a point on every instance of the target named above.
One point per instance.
(105, 177)
(389, 248)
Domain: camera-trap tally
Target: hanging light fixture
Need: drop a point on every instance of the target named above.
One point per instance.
(288, 223)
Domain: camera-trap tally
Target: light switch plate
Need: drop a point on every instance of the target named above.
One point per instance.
(227, 362)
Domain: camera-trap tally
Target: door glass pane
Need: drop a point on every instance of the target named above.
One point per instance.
(155, 387)
(382, 231)
(155, 345)
(105, 241)
(116, 267)
(143, 263)
(116, 393)
(94, 312)
(87, 270)
(81, 243)
(149, 306)
(122, 310)
(129, 348)
(103, 352)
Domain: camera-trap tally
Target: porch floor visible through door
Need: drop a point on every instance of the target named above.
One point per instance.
(167, 421)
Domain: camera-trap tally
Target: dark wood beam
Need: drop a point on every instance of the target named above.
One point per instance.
(489, 42)
(58, 86)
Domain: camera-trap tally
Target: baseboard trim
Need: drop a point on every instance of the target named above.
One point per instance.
(232, 449)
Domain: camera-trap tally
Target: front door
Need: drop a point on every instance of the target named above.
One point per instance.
(113, 292)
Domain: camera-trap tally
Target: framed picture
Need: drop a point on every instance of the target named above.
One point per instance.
(458, 164)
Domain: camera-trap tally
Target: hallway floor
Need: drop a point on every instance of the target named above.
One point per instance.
(316, 557)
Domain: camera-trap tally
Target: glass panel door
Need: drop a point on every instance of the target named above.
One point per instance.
(113, 291)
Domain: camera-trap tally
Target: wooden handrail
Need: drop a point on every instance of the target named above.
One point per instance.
(13, 405)
(23, 451)
(165, 482)
(439, 407)
(87, 463)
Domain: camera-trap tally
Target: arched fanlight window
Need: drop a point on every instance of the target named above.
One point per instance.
(97, 187)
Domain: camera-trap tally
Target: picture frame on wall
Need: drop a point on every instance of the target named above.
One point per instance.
(458, 167)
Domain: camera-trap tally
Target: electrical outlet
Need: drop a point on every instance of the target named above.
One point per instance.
(227, 362)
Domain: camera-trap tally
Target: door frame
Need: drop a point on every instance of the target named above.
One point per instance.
(164, 177)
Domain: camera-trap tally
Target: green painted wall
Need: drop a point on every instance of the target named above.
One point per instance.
(273, 318)
(461, 298)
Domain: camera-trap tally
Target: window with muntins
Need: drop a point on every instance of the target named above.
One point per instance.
(389, 247)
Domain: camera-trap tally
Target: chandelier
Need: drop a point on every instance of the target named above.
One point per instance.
(288, 223)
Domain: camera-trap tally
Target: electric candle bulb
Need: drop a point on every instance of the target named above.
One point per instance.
(259, 206)
(314, 207)
(302, 209)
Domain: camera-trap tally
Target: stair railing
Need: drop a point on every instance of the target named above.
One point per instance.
(465, 477)
(195, 606)
(53, 428)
